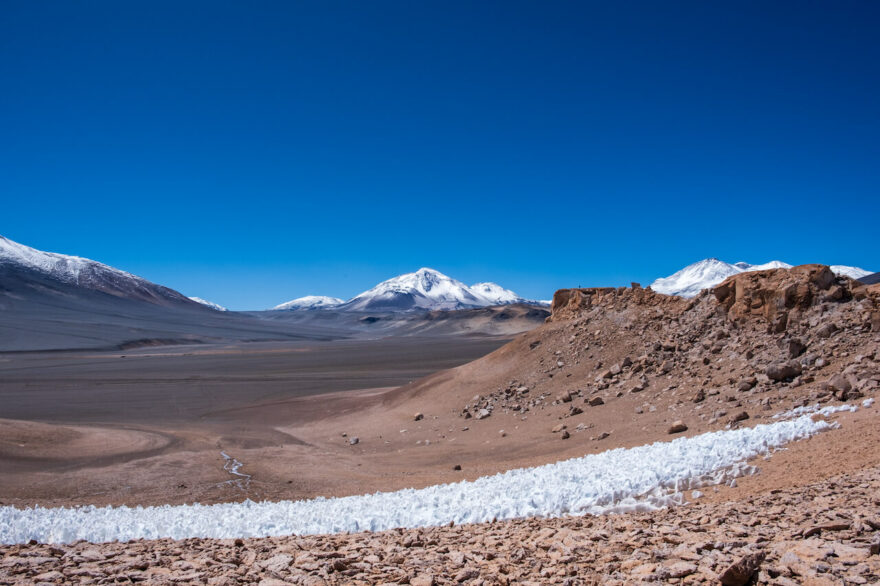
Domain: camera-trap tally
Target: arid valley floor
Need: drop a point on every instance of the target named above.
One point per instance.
(612, 368)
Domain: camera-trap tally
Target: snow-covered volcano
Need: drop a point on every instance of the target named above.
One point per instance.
(428, 289)
(81, 272)
(311, 302)
(709, 272)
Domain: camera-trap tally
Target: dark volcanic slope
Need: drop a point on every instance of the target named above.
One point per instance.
(38, 312)
(871, 279)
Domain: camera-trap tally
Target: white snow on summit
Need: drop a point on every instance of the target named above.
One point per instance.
(423, 289)
(207, 303)
(71, 269)
(85, 273)
(851, 272)
(496, 294)
(310, 302)
(635, 479)
(428, 289)
(707, 273)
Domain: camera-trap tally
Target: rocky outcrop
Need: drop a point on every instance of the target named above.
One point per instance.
(569, 303)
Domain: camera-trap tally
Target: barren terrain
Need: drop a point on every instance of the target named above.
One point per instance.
(612, 368)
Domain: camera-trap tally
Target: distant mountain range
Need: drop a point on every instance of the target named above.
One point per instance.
(29, 269)
(692, 279)
(423, 290)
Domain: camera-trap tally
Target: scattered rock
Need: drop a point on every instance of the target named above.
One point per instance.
(781, 371)
(792, 347)
(741, 571)
(826, 330)
(353, 441)
(677, 427)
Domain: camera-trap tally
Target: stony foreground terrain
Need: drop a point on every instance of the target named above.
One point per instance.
(822, 533)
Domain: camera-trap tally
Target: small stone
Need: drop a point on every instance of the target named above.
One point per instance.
(483, 413)
(565, 435)
(353, 441)
(826, 330)
(596, 401)
(419, 416)
(747, 384)
(838, 384)
(677, 427)
(741, 571)
(466, 574)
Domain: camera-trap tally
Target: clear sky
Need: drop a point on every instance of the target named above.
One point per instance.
(252, 152)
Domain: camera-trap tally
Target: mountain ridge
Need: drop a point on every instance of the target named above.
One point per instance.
(692, 279)
(423, 290)
(87, 274)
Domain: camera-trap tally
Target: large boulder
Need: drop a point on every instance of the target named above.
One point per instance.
(781, 371)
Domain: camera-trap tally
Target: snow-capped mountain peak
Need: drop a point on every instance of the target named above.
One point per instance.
(207, 303)
(310, 302)
(694, 278)
(773, 264)
(424, 289)
(61, 266)
(85, 273)
(707, 273)
(496, 294)
(851, 272)
(429, 289)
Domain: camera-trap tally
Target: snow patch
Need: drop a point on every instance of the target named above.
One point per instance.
(635, 479)
(207, 303)
(815, 409)
(233, 466)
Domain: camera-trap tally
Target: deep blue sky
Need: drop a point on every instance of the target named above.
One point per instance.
(252, 152)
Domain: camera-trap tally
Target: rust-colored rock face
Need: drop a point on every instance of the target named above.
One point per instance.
(569, 303)
(780, 295)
